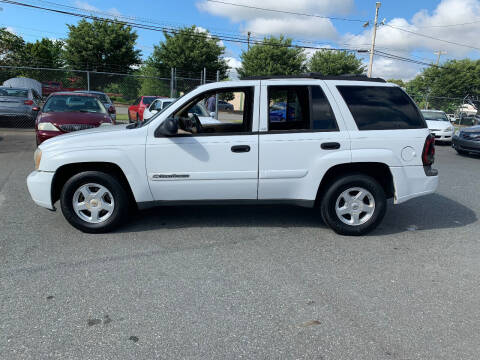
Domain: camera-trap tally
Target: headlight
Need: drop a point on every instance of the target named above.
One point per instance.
(450, 128)
(46, 126)
(457, 133)
(37, 157)
(106, 124)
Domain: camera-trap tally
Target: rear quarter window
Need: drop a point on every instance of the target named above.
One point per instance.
(381, 108)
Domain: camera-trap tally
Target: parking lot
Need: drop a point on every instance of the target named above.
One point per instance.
(241, 282)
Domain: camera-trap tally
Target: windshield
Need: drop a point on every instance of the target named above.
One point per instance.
(13, 92)
(100, 96)
(74, 103)
(147, 100)
(434, 115)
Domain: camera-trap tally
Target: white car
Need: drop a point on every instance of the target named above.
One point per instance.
(347, 145)
(439, 125)
(156, 106)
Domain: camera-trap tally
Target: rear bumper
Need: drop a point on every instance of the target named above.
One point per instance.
(466, 145)
(411, 182)
(39, 185)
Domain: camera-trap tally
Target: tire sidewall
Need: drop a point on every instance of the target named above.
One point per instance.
(328, 204)
(117, 191)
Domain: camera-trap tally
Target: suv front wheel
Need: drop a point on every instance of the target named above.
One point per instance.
(353, 205)
(94, 202)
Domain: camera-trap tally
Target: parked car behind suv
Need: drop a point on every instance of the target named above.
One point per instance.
(65, 112)
(135, 111)
(439, 125)
(18, 105)
(156, 106)
(467, 140)
(350, 144)
(105, 101)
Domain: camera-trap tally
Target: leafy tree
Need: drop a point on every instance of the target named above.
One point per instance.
(44, 53)
(330, 62)
(190, 51)
(274, 56)
(399, 82)
(444, 88)
(101, 46)
(11, 47)
(151, 84)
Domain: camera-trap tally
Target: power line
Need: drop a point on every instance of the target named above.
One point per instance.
(285, 11)
(432, 37)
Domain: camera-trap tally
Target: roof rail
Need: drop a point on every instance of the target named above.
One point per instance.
(314, 75)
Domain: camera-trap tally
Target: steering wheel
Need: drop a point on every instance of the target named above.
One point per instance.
(197, 123)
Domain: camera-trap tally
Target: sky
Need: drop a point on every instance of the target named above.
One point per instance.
(456, 22)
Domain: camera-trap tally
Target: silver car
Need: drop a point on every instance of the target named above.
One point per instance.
(19, 106)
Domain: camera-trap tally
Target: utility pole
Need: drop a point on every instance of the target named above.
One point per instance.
(439, 53)
(374, 35)
(248, 40)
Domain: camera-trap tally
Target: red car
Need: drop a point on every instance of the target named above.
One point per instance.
(135, 111)
(65, 112)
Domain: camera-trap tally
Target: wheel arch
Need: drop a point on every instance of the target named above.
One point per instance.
(65, 172)
(379, 171)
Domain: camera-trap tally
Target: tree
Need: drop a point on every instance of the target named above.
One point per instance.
(445, 87)
(189, 51)
(101, 46)
(399, 82)
(11, 47)
(330, 62)
(151, 84)
(44, 53)
(274, 56)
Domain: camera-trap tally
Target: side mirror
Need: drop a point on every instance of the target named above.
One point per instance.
(111, 110)
(36, 108)
(212, 114)
(168, 127)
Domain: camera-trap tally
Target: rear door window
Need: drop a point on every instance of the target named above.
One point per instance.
(381, 108)
(299, 108)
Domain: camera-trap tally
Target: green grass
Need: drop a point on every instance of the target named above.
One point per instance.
(122, 118)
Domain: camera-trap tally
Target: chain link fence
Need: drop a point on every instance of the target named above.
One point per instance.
(18, 108)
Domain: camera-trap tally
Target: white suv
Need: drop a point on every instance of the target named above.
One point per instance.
(343, 145)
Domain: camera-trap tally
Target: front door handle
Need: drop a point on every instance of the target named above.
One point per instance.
(330, 146)
(240, 148)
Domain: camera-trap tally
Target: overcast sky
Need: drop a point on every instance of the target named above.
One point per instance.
(456, 21)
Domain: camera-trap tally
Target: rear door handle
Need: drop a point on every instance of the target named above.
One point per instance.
(330, 146)
(240, 148)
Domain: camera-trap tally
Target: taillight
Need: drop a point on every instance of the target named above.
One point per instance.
(428, 155)
(28, 102)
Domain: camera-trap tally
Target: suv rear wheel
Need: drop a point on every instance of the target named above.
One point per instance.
(353, 205)
(94, 202)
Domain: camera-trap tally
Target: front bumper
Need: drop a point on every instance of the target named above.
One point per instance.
(466, 145)
(43, 135)
(443, 136)
(39, 185)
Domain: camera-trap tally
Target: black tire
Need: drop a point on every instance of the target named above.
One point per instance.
(138, 119)
(118, 192)
(129, 118)
(333, 192)
(462, 152)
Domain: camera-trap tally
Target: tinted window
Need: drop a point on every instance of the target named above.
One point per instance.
(381, 108)
(299, 108)
(322, 113)
(147, 100)
(288, 108)
(23, 93)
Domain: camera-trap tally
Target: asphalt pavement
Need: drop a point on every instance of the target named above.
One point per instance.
(253, 282)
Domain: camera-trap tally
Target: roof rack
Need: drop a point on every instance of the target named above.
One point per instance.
(314, 75)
